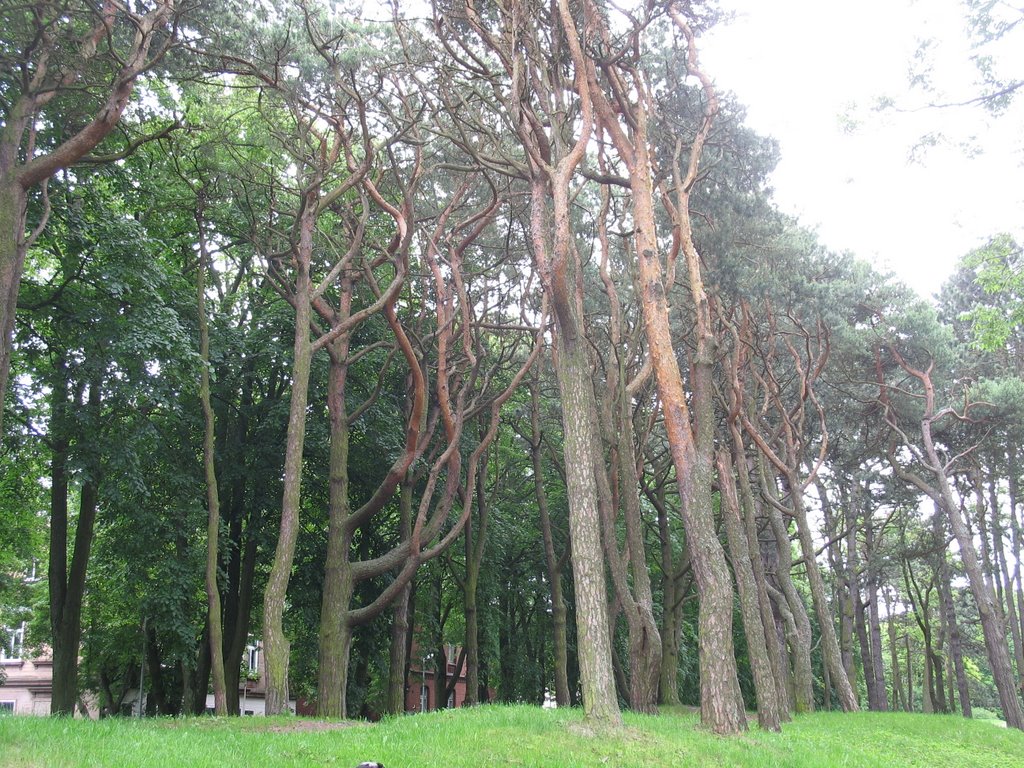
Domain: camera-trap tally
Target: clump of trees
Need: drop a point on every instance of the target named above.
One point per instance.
(480, 330)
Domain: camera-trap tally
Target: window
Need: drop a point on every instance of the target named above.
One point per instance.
(6, 708)
(13, 644)
(252, 656)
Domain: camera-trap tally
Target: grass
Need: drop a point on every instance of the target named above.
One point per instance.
(508, 736)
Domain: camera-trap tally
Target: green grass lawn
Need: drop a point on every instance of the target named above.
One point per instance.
(508, 736)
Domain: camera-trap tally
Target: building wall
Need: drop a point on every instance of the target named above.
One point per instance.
(28, 686)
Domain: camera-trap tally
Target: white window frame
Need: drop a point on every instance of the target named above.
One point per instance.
(252, 656)
(14, 646)
(8, 707)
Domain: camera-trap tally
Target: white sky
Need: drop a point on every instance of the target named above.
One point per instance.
(802, 66)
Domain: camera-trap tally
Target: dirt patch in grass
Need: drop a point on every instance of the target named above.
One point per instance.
(303, 725)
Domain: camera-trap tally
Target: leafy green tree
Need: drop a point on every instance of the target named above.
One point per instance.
(67, 72)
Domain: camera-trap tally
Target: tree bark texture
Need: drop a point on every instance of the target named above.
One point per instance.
(67, 584)
(276, 646)
(798, 624)
(213, 606)
(579, 414)
(739, 550)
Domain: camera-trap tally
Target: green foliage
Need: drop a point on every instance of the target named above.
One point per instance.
(997, 268)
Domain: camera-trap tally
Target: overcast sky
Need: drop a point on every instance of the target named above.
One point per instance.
(807, 69)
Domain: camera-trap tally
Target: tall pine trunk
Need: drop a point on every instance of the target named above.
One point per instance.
(335, 633)
(754, 629)
(213, 608)
(276, 646)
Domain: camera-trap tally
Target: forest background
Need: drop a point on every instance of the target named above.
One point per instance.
(478, 328)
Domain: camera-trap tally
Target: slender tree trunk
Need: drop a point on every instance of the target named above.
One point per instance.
(846, 582)
(950, 620)
(880, 703)
(799, 637)
(776, 650)
(335, 632)
(401, 629)
(195, 679)
(1013, 469)
(671, 609)
(691, 455)
(67, 585)
(551, 562)
(898, 697)
(474, 560)
(829, 643)
(67, 632)
(213, 607)
(581, 438)
(910, 675)
(237, 639)
(1003, 578)
(927, 687)
(995, 637)
(984, 597)
(471, 644)
(635, 599)
(276, 646)
(753, 627)
(578, 417)
(866, 660)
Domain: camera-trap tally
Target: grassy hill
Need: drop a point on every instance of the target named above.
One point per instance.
(508, 736)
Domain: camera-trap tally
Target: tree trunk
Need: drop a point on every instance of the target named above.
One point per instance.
(950, 620)
(927, 687)
(866, 660)
(1003, 578)
(776, 649)
(1013, 469)
(898, 697)
(829, 643)
(401, 629)
(910, 676)
(634, 597)
(276, 646)
(213, 608)
(991, 621)
(581, 438)
(992, 627)
(799, 634)
(578, 417)
(12, 262)
(672, 604)
(474, 560)
(67, 585)
(691, 454)
(237, 640)
(335, 633)
(753, 627)
(880, 703)
(552, 562)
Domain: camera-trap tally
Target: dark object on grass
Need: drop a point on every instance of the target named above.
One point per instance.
(370, 765)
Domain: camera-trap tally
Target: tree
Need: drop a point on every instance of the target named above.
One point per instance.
(55, 54)
(553, 145)
(927, 454)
